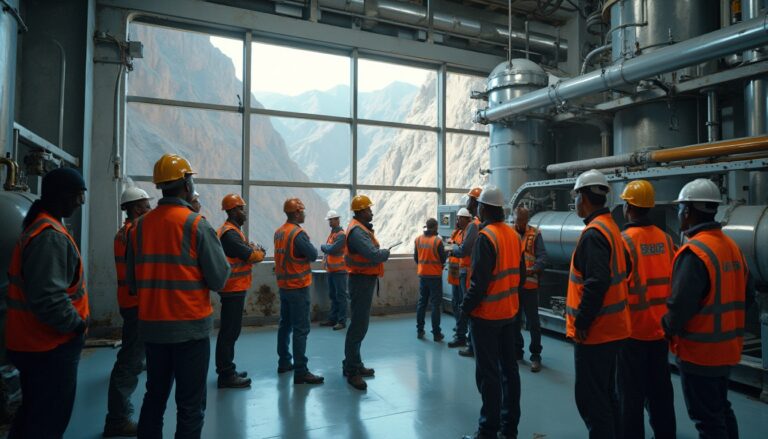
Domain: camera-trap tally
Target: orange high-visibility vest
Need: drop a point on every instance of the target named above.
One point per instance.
(613, 321)
(529, 244)
(501, 300)
(652, 253)
(124, 298)
(453, 262)
(427, 253)
(292, 272)
(242, 274)
(335, 263)
(715, 335)
(358, 264)
(168, 277)
(23, 331)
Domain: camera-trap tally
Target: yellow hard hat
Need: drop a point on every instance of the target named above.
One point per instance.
(361, 202)
(475, 192)
(231, 201)
(639, 193)
(293, 205)
(171, 167)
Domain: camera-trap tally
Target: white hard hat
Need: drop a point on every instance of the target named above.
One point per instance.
(331, 214)
(464, 212)
(491, 196)
(132, 194)
(593, 177)
(701, 190)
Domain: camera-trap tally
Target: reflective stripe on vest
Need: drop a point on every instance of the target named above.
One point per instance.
(613, 321)
(358, 264)
(529, 254)
(335, 263)
(429, 263)
(291, 271)
(501, 300)
(23, 331)
(242, 274)
(453, 262)
(714, 336)
(652, 253)
(124, 297)
(169, 281)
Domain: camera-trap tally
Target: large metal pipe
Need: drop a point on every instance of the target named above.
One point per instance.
(12, 170)
(713, 116)
(702, 150)
(739, 37)
(8, 32)
(560, 232)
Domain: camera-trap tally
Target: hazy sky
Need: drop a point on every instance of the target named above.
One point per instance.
(294, 71)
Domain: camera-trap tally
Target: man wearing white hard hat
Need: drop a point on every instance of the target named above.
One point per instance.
(711, 291)
(463, 218)
(492, 304)
(333, 261)
(130, 357)
(597, 315)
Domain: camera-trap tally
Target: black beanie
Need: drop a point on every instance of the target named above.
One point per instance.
(62, 182)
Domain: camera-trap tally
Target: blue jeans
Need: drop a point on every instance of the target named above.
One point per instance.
(294, 317)
(125, 372)
(465, 322)
(461, 324)
(360, 297)
(430, 290)
(337, 291)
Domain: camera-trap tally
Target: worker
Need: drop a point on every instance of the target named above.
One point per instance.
(463, 217)
(241, 256)
(711, 290)
(174, 259)
(336, 269)
(293, 254)
(492, 304)
(429, 255)
(196, 206)
(643, 368)
(464, 251)
(47, 309)
(365, 261)
(130, 358)
(597, 316)
(535, 256)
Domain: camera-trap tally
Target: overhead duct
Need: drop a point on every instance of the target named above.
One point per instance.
(736, 38)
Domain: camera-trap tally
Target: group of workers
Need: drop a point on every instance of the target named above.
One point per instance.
(632, 297)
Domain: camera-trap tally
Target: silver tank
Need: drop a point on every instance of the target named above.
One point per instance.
(520, 149)
(8, 31)
(13, 208)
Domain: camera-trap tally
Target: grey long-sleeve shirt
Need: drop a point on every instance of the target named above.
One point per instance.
(49, 266)
(336, 248)
(360, 243)
(467, 245)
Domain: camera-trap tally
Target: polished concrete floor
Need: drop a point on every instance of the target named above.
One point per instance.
(422, 389)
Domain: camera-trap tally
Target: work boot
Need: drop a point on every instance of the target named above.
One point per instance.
(467, 353)
(479, 435)
(126, 429)
(357, 382)
(340, 325)
(328, 323)
(438, 337)
(362, 371)
(457, 342)
(284, 369)
(420, 334)
(242, 374)
(308, 378)
(234, 382)
(535, 366)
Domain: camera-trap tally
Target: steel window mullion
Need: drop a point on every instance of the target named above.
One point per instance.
(441, 135)
(353, 124)
(388, 188)
(246, 163)
(467, 132)
(182, 104)
(295, 115)
(407, 126)
(222, 181)
(299, 184)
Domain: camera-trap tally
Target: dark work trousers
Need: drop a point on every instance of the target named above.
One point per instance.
(461, 323)
(337, 293)
(596, 398)
(187, 364)
(230, 324)
(644, 382)
(529, 308)
(125, 372)
(708, 407)
(465, 319)
(293, 329)
(497, 377)
(430, 292)
(361, 289)
(48, 383)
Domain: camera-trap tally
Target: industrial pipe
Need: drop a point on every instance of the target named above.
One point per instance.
(713, 116)
(12, 170)
(736, 38)
(702, 150)
(591, 55)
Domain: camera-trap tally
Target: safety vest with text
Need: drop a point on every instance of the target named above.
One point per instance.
(427, 253)
(124, 298)
(292, 271)
(242, 271)
(501, 299)
(453, 262)
(358, 264)
(529, 254)
(336, 263)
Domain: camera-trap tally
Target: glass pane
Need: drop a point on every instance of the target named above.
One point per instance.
(396, 93)
(400, 216)
(459, 107)
(186, 66)
(465, 155)
(302, 81)
(454, 198)
(266, 212)
(316, 151)
(210, 140)
(394, 156)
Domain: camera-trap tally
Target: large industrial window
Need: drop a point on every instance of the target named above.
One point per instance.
(298, 132)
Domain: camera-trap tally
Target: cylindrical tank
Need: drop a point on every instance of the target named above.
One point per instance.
(8, 31)
(748, 226)
(520, 149)
(560, 232)
(13, 208)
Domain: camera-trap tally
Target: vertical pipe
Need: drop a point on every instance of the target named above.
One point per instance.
(713, 116)
(755, 103)
(62, 89)
(442, 77)
(8, 32)
(527, 40)
(353, 125)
